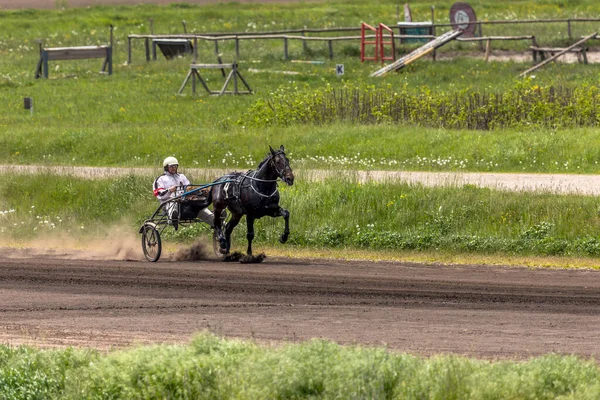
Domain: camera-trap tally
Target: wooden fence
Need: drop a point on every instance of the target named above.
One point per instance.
(288, 34)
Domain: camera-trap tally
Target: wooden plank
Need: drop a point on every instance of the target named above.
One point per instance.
(75, 48)
(479, 39)
(554, 57)
(556, 49)
(169, 41)
(210, 66)
(76, 54)
(418, 53)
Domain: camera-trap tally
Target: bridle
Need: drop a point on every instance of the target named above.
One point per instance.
(280, 173)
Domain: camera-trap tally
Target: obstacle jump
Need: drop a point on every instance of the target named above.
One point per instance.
(75, 53)
(578, 44)
(172, 48)
(233, 75)
(418, 53)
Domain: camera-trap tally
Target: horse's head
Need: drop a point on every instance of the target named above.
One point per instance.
(281, 165)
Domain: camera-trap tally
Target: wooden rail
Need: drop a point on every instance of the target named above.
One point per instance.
(237, 39)
(149, 38)
(287, 35)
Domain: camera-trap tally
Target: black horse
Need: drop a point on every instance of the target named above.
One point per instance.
(253, 194)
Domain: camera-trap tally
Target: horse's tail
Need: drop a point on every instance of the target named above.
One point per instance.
(212, 188)
(209, 196)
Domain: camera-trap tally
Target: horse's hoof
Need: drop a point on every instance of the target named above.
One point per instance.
(283, 238)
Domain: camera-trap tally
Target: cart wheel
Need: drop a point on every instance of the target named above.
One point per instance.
(215, 236)
(151, 243)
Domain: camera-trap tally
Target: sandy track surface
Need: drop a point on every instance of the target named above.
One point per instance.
(555, 183)
(423, 309)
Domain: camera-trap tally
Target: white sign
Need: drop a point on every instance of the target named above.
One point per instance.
(339, 69)
(462, 19)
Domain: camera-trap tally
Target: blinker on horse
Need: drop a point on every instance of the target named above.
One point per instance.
(253, 194)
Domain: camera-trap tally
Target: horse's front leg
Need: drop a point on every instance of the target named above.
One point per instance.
(286, 230)
(282, 212)
(250, 233)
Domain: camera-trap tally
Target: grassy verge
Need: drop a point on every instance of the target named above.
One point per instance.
(334, 214)
(213, 368)
(336, 146)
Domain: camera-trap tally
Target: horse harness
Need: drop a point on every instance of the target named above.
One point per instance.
(232, 189)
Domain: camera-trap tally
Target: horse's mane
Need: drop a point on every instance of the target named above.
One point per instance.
(268, 156)
(264, 161)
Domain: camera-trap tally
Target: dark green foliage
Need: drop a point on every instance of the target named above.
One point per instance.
(214, 368)
(27, 373)
(525, 106)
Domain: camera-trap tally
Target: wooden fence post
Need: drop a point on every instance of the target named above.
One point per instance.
(235, 76)
(432, 30)
(304, 46)
(285, 49)
(45, 63)
(147, 43)
(488, 44)
(195, 50)
(109, 54)
(128, 51)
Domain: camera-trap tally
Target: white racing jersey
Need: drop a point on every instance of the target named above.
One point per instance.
(165, 181)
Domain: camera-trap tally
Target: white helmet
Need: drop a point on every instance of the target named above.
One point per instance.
(170, 161)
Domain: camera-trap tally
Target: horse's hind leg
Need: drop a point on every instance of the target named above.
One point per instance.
(217, 210)
(235, 219)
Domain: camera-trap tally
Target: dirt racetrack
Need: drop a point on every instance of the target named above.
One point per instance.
(423, 309)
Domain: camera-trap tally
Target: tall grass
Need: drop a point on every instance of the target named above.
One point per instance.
(213, 368)
(524, 106)
(337, 146)
(337, 213)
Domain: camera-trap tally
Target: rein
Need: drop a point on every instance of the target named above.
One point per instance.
(261, 180)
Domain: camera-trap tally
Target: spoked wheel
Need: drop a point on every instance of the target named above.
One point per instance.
(215, 237)
(151, 243)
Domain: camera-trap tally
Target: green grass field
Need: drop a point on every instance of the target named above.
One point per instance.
(134, 118)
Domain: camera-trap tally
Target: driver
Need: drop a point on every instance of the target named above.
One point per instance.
(172, 184)
(169, 185)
